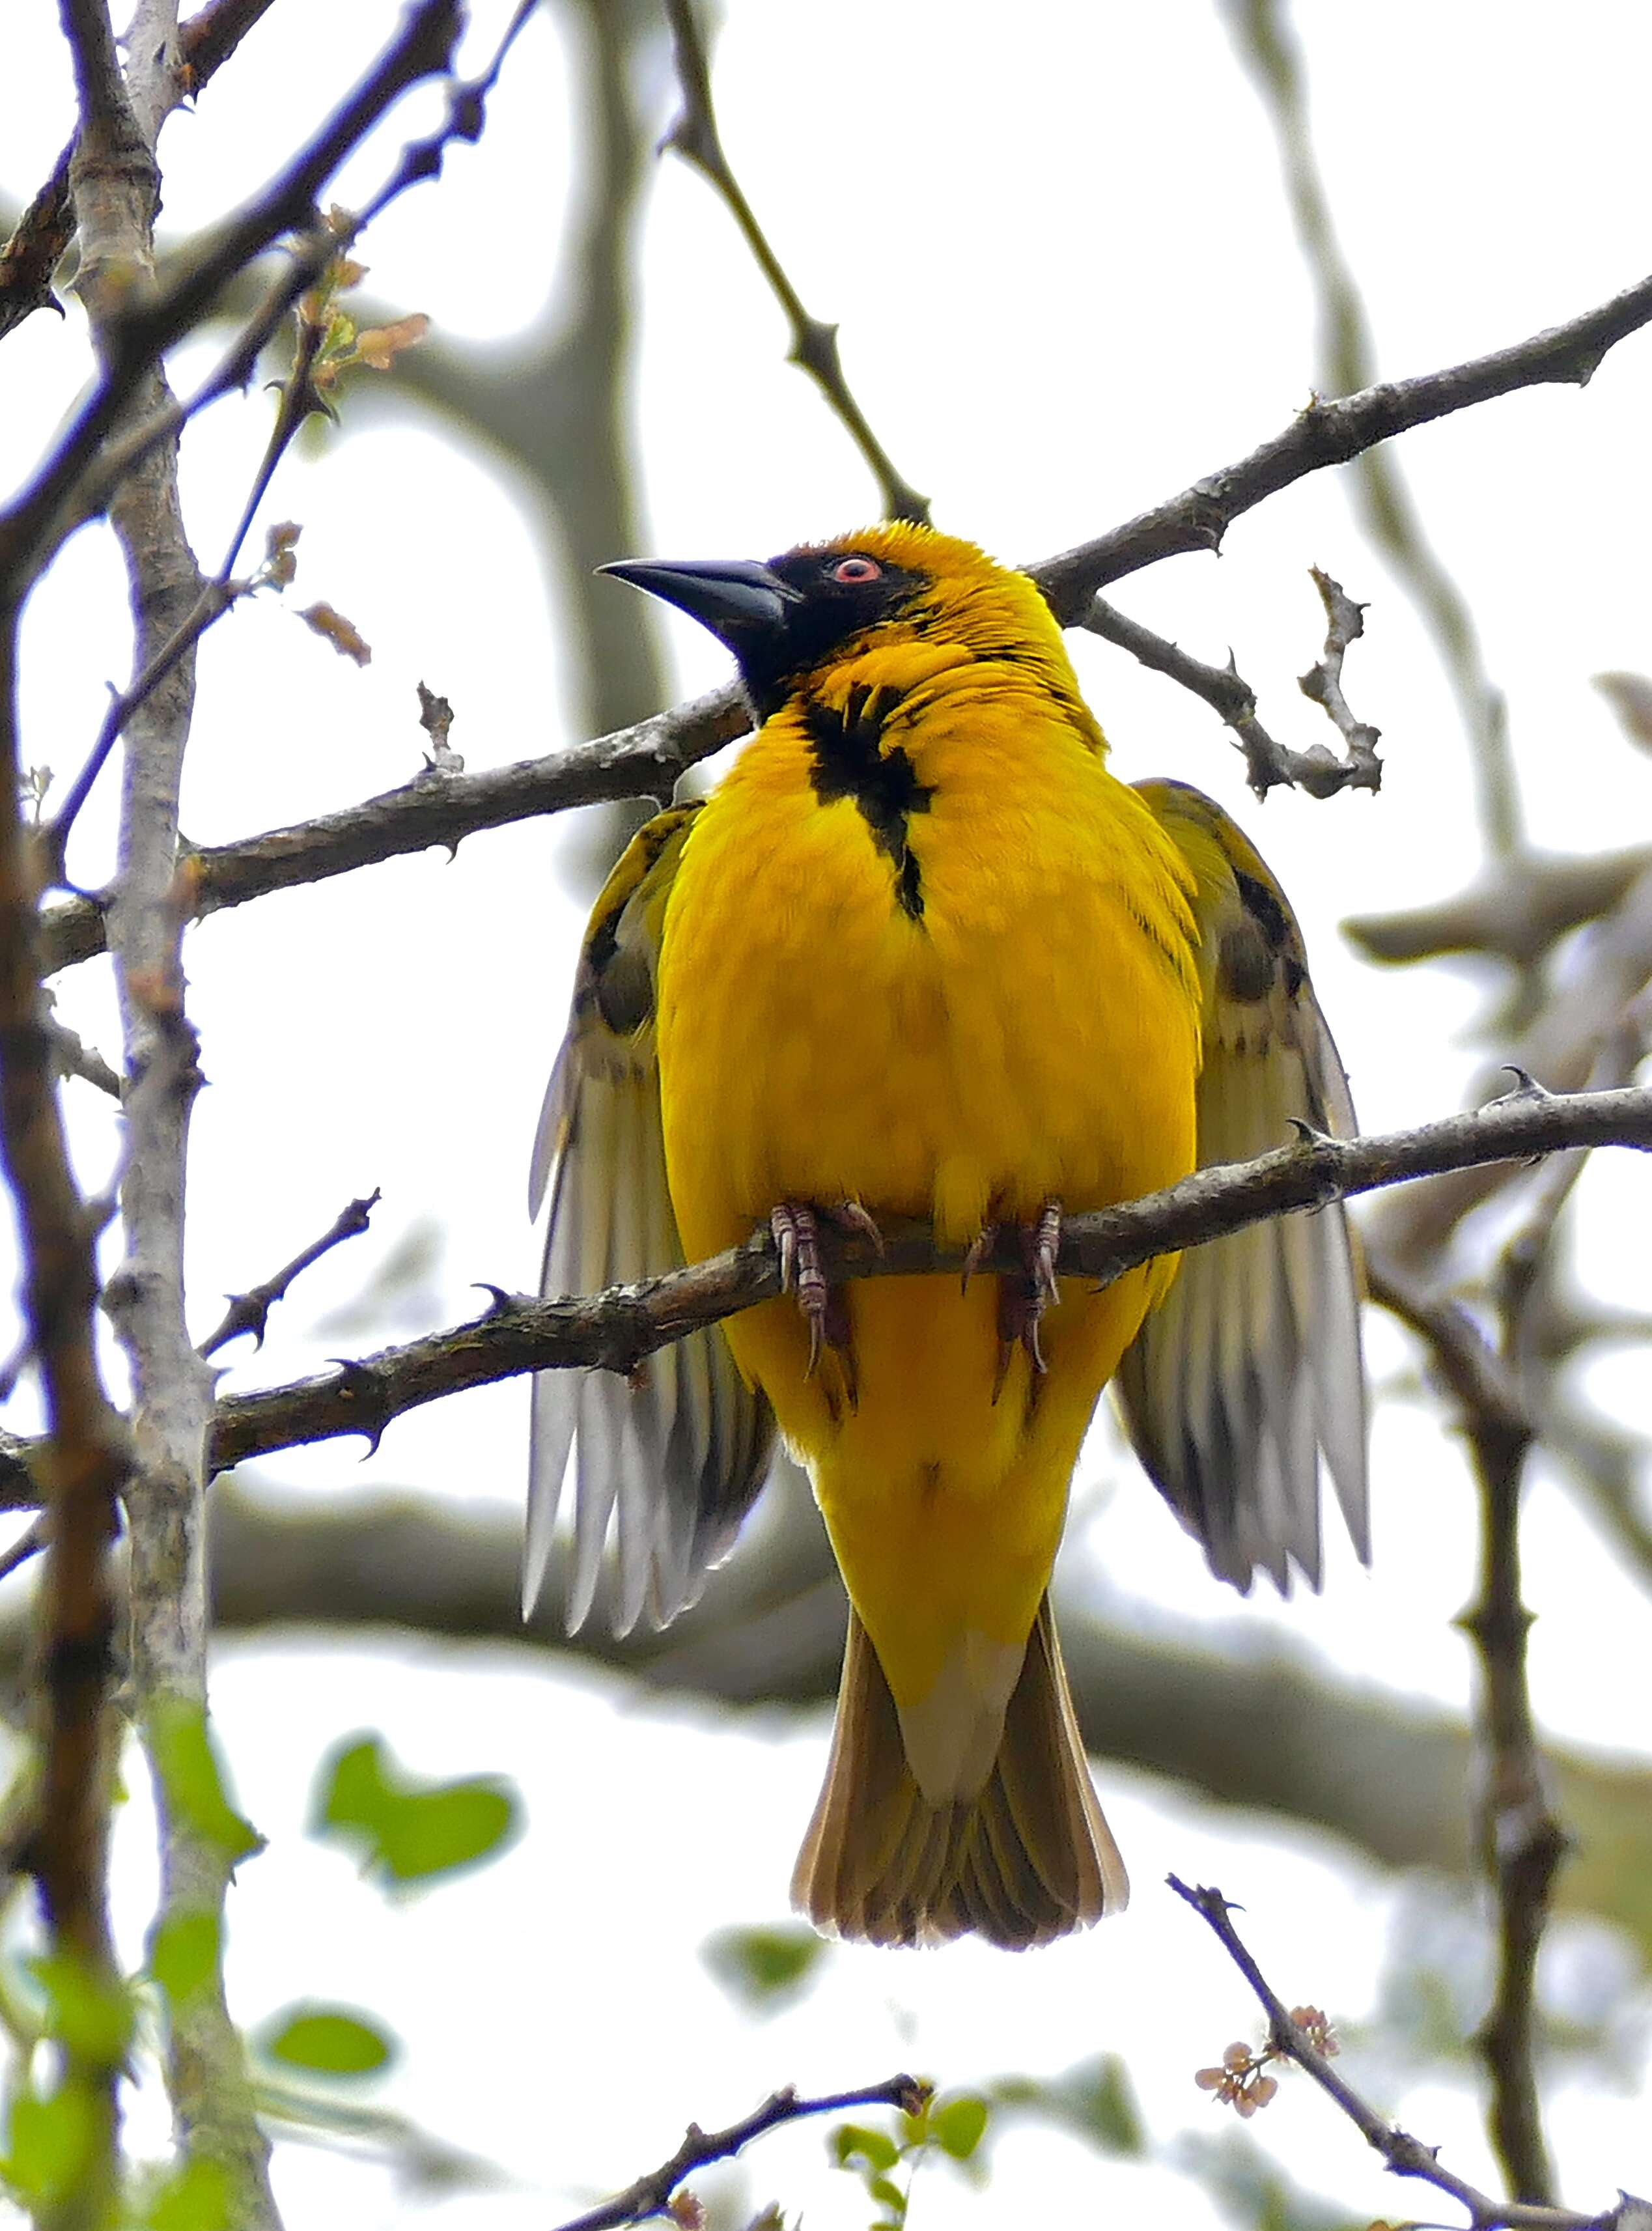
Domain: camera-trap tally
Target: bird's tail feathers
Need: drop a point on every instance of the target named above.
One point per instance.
(1027, 1858)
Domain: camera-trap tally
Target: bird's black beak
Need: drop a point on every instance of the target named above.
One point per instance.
(736, 600)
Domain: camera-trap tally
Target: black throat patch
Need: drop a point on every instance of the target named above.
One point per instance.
(848, 763)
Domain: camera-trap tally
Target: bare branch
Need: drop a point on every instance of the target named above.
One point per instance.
(650, 2194)
(47, 226)
(1330, 433)
(1404, 2155)
(250, 1312)
(814, 343)
(635, 761)
(151, 319)
(618, 1329)
(644, 760)
(1268, 762)
(1347, 361)
(84, 1458)
(1345, 623)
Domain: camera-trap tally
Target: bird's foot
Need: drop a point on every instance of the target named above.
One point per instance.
(1025, 1294)
(796, 1227)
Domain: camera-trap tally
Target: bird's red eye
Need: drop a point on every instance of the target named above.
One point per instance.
(851, 572)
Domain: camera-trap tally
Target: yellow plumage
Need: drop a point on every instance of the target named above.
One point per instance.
(922, 954)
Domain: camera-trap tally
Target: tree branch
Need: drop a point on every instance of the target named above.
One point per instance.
(618, 1329)
(635, 761)
(150, 319)
(1268, 762)
(212, 2106)
(46, 228)
(1404, 2155)
(1330, 433)
(644, 760)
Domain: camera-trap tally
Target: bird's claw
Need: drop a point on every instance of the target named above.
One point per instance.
(795, 1227)
(1023, 1296)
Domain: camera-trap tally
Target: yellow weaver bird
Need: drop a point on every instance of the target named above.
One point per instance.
(922, 955)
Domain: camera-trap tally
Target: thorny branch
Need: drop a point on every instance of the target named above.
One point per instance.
(1330, 433)
(1404, 2155)
(814, 343)
(650, 2195)
(1268, 762)
(618, 1329)
(434, 808)
(250, 1312)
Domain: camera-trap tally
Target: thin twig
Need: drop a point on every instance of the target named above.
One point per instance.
(1345, 623)
(1404, 2155)
(1268, 762)
(297, 400)
(650, 2195)
(695, 136)
(250, 1312)
(1347, 361)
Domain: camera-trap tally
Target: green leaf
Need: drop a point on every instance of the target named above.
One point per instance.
(959, 2126)
(1094, 2099)
(50, 2142)
(196, 2197)
(887, 2195)
(184, 1951)
(765, 1968)
(191, 1785)
(90, 2015)
(854, 2141)
(327, 2041)
(409, 1830)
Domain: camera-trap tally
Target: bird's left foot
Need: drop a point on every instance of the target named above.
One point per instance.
(1025, 1294)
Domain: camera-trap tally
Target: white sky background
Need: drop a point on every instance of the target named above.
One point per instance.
(1056, 243)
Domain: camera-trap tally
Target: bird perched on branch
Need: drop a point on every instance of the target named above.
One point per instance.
(920, 955)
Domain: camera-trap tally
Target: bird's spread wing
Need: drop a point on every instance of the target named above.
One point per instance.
(680, 1456)
(1248, 1373)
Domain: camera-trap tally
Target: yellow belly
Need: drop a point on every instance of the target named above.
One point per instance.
(1033, 1035)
